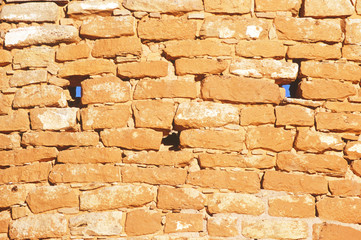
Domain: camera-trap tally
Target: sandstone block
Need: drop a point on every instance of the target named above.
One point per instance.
(180, 198)
(240, 90)
(183, 222)
(153, 69)
(96, 224)
(105, 117)
(351, 52)
(105, 89)
(86, 67)
(192, 48)
(228, 6)
(247, 182)
(205, 114)
(5, 219)
(344, 187)
(333, 8)
(20, 211)
(353, 150)
(297, 183)
(23, 78)
(108, 27)
(53, 118)
(257, 115)
(72, 52)
(294, 115)
(330, 231)
(270, 138)
(353, 36)
(117, 197)
(142, 222)
(317, 142)
(314, 51)
(330, 89)
(15, 121)
(235, 203)
(309, 29)
(30, 12)
(23, 156)
(35, 172)
(13, 194)
(163, 6)
(340, 209)
(46, 198)
(84, 173)
(198, 66)
(356, 167)
(343, 106)
(167, 158)
(280, 229)
(38, 35)
(6, 103)
(9, 141)
(90, 155)
(302, 206)
(137, 139)
(261, 48)
(161, 175)
(338, 122)
(278, 5)
(39, 226)
(154, 114)
(112, 47)
(85, 8)
(234, 27)
(146, 89)
(34, 57)
(265, 68)
(60, 138)
(223, 226)
(223, 140)
(5, 57)
(39, 95)
(167, 29)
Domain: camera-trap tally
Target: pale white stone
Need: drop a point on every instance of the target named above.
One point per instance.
(30, 12)
(57, 118)
(92, 7)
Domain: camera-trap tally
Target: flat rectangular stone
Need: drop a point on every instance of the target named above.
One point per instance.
(53, 118)
(330, 89)
(123, 46)
(36, 172)
(338, 122)
(164, 6)
(23, 78)
(82, 9)
(331, 8)
(85, 67)
(228, 6)
(15, 121)
(35, 57)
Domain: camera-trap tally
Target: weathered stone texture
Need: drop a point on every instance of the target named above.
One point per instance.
(108, 48)
(53, 118)
(152, 69)
(261, 48)
(85, 8)
(333, 8)
(198, 66)
(278, 5)
(142, 222)
(299, 206)
(35, 57)
(338, 122)
(331, 89)
(23, 78)
(168, 158)
(72, 52)
(340, 209)
(30, 12)
(60, 138)
(180, 198)
(90, 155)
(164, 6)
(183, 222)
(86, 67)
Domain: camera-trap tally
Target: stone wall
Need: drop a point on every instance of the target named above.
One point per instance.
(183, 129)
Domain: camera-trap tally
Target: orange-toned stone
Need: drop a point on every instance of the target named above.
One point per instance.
(9, 141)
(356, 167)
(105, 89)
(167, 29)
(36, 172)
(205, 114)
(161, 175)
(330, 231)
(105, 117)
(339, 122)
(22, 156)
(340, 209)
(5, 219)
(90, 155)
(183, 222)
(228, 6)
(137, 139)
(299, 206)
(353, 150)
(261, 48)
(330, 89)
(240, 90)
(15, 121)
(235, 203)
(278, 5)
(35, 57)
(180, 198)
(351, 52)
(343, 106)
(309, 29)
(20, 211)
(257, 115)
(164, 6)
(39, 226)
(270, 138)
(53, 118)
(6, 101)
(110, 48)
(167, 158)
(223, 140)
(223, 226)
(60, 138)
(46, 198)
(297, 183)
(23, 78)
(314, 51)
(192, 48)
(142, 222)
(108, 27)
(333, 8)
(316, 142)
(230, 160)
(154, 114)
(199, 66)
(84, 173)
(39, 95)
(247, 182)
(344, 187)
(234, 27)
(353, 35)
(5, 57)
(14, 194)
(117, 197)
(146, 89)
(294, 115)
(72, 52)
(85, 67)
(152, 69)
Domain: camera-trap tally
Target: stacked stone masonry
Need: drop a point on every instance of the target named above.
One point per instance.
(183, 129)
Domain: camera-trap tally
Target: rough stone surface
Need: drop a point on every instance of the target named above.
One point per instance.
(278, 5)
(5, 57)
(153, 69)
(223, 226)
(53, 118)
(72, 52)
(228, 6)
(330, 231)
(299, 206)
(294, 115)
(15, 121)
(85, 8)
(14, 194)
(333, 8)
(60, 138)
(331, 89)
(183, 222)
(109, 48)
(340, 209)
(35, 57)
(353, 150)
(316, 142)
(35, 172)
(142, 222)
(257, 115)
(90, 155)
(4, 221)
(23, 78)
(180, 198)
(86, 67)
(23, 156)
(344, 187)
(167, 158)
(9, 141)
(261, 48)
(198, 66)
(343, 107)
(164, 6)
(314, 51)
(338, 122)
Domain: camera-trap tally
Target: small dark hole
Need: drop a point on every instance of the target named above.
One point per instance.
(14, 189)
(172, 140)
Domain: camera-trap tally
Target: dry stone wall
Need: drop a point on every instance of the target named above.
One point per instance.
(183, 129)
